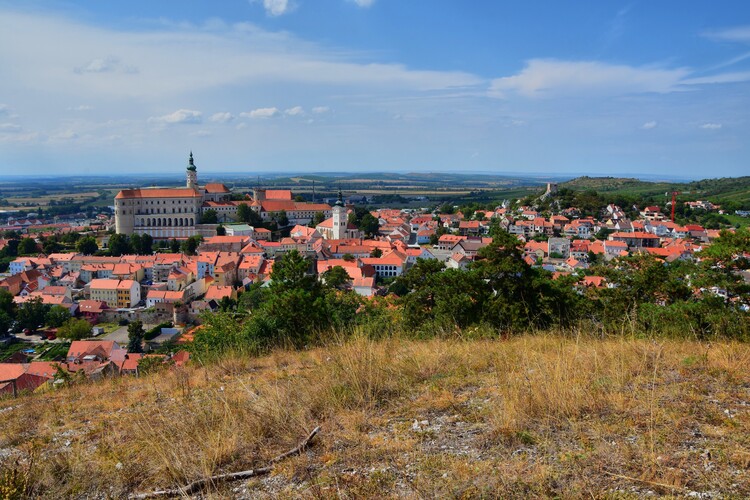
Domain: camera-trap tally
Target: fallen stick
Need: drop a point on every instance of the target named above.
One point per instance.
(232, 476)
(652, 483)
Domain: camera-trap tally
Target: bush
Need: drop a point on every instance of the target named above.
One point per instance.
(156, 331)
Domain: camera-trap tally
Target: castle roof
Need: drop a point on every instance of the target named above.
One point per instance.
(158, 193)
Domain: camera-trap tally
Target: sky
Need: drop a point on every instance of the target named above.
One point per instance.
(271, 86)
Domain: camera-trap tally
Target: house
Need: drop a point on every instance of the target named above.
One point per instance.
(469, 227)
(95, 349)
(468, 247)
(388, 265)
(218, 292)
(559, 246)
(116, 293)
(223, 244)
(17, 377)
(636, 239)
(92, 309)
(652, 213)
(458, 261)
(448, 241)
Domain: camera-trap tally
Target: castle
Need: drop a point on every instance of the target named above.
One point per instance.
(168, 212)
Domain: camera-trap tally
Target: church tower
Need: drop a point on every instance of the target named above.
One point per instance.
(340, 220)
(192, 174)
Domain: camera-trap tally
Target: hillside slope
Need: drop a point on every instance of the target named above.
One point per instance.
(729, 188)
(531, 416)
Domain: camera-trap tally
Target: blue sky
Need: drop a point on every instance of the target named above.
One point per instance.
(598, 87)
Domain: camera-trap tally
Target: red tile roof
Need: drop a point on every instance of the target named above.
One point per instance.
(158, 193)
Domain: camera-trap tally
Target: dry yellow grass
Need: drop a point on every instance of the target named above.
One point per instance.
(535, 416)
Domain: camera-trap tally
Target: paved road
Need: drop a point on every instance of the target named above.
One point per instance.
(120, 336)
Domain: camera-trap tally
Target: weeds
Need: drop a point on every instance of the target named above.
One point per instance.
(542, 415)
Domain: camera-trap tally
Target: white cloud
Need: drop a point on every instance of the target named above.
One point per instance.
(649, 125)
(201, 133)
(549, 78)
(187, 116)
(241, 126)
(740, 76)
(224, 117)
(105, 65)
(65, 135)
(177, 61)
(9, 128)
(295, 111)
(261, 113)
(711, 126)
(320, 109)
(4, 109)
(81, 107)
(19, 138)
(736, 34)
(275, 8)
(363, 3)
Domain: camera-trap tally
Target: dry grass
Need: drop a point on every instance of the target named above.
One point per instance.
(535, 416)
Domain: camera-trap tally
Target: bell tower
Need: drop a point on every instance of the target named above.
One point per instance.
(340, 221)
(192, 174)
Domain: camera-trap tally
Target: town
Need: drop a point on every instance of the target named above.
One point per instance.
(165, 261)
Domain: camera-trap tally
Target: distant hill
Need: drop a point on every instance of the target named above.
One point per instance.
(735, 189)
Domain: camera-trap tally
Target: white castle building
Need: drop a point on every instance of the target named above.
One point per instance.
(168, 212)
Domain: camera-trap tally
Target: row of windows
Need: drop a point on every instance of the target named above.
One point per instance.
(166, 221)
(159, 210)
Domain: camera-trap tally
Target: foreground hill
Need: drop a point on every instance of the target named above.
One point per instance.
(531, 416)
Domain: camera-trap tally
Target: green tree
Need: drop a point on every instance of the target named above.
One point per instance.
(147, 244)
(248, 215)
(318, 218)
(282, 219)
(51, 246)
(376, 253)
(252, 298)
(56, 316)
(119, 244)
(174, 246)
(87, 246)
(71, 238)
(190, 245)
(221, 230)
(337, 278)
(209, 217)
(135, 336)
(291, 271)
(151, 364)
(75, 329)
(6, 310)
(369, 224)
(27, 246)
(32, 313)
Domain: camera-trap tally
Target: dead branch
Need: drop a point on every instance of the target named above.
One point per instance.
(652, 483)
(232, 476)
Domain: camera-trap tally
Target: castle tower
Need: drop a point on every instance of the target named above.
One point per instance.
(192, 174)
(259, 194)
(340, 221)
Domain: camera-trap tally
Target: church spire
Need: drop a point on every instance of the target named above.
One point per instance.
(340, 200)
(192, 174)
(191, 164)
